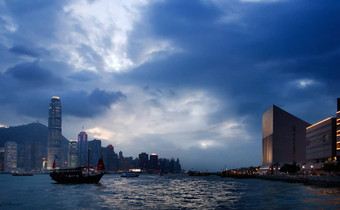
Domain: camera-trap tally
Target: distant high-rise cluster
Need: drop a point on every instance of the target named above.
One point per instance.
(41, 155)
(290, 140)
(54, 153)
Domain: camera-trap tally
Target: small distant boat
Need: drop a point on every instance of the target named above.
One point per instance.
(129, 174)
(195, 173)
(22, 174)
(80, 175)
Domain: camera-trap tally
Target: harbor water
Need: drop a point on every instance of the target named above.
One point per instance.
(163, 192)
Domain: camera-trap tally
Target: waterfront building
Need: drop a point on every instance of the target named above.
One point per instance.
(143, 161)
(2, 158)
(21, 157)
(283, 138)
(95, 151)
(82, 149)
(125, 163)
(73, 154)
(321, 141)
(178, 166)
(11, 154)
(338, 129)
(54, 152)
(154, 161)
(111, 158)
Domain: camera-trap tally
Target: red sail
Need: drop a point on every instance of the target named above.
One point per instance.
(100, 165)
(54, 165)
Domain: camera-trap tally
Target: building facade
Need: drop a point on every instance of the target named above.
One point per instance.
(82, 149)
(154, 161)
(338, 129)
(54, 152)
(95, 147)
(2, 158)
(11, 156)
(111, 160)
(283, 137)
(73, 154)
(321, 141)
(143, 161)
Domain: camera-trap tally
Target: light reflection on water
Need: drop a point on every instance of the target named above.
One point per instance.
(162, 192)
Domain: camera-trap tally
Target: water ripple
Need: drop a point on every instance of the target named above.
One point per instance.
(162, 192)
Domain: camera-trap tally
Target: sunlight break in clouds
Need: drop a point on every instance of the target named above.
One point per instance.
(303, 83)
(179, 117)
(98, 35)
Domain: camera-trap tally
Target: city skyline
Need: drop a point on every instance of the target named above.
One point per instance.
(183, 79)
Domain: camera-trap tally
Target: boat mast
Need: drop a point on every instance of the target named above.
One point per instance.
(88, 159)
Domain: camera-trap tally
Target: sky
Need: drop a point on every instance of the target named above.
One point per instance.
(183, 79)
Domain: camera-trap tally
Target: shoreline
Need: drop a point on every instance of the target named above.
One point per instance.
(307, 180)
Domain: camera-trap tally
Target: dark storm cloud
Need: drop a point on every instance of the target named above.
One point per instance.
(21, 50)
(245, 55)
(253, 59)
(32, 75)
(84, 105)
(35, 21)
(26, 88)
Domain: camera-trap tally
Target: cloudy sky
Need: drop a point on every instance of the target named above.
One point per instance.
(187, 79)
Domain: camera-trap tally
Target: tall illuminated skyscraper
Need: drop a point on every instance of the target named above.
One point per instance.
(54, 134)
(82, 149)
(73, 154)
(11, 153)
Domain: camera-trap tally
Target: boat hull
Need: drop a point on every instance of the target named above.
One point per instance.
(75, 178)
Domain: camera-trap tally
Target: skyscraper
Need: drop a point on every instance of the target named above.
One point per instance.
(73, 154)
(54, 134)
(154, 161)
(11, 153)
(110, 158)
(95, 151)
(82, 149)
(2, 158)
(143, 161)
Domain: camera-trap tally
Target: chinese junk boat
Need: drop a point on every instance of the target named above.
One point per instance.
(80, 175)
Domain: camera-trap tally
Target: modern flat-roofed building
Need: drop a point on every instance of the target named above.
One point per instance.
(321, 141)
(283, 138)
